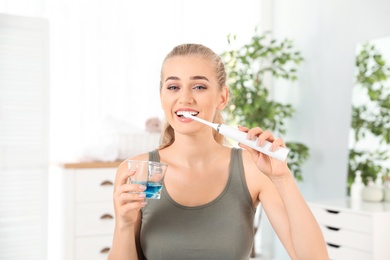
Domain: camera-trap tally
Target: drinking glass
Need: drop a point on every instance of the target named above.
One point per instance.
(148, 173)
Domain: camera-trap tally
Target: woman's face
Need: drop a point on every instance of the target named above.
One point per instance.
(189, 83)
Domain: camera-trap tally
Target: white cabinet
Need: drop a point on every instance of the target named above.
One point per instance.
(81, 211)
(354, 230)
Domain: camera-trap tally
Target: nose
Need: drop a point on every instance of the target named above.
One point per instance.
(186, 96)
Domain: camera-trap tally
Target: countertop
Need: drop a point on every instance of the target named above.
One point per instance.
(82, 165)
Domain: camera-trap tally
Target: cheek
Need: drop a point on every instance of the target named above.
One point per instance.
(165, 102)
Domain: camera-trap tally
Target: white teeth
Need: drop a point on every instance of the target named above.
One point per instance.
(183, 113)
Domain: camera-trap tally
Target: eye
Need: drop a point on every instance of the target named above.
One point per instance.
(172, 87)
(199, 87)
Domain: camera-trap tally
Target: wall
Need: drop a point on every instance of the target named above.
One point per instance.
(327, 33)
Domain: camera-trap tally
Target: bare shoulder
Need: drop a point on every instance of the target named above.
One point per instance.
(256, 180)
(249, 165)
(253, 175)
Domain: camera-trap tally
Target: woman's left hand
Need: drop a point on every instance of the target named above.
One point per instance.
(272, 167)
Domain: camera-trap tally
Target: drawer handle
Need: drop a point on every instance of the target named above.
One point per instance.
(333, 211)
(105, 250)
(332, 245)
(332, 228)
(106, 183)
(106, 216)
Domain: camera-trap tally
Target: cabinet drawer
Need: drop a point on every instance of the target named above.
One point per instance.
(344, 253)
(95, 248)
(94, 219)
(343, 220)
(348, 238)
(94, 184)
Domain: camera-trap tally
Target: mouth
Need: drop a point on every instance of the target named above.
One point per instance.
(181, 112)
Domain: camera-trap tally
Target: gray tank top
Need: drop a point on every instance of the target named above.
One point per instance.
(221, 229)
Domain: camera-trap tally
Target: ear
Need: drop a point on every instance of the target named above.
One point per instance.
(223, 98)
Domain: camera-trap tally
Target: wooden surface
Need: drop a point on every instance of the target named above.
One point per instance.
(82, 165)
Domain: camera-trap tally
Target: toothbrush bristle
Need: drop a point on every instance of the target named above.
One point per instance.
(186, 114)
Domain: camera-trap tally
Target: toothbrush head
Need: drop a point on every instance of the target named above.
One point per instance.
(187, 115)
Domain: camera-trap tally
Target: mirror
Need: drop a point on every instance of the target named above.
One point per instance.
(369, 142)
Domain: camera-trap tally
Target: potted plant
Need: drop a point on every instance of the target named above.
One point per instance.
(247, 69)
(370, 117)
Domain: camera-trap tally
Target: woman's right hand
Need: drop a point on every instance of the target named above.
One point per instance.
(128, 198)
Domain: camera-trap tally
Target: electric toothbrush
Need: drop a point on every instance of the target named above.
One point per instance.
(280, 153)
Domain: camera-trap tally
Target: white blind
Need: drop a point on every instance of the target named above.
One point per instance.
(24, 135)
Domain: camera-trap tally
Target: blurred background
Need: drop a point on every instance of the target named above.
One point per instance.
(85, 71)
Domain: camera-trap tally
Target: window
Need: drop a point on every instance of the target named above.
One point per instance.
(24, 136)
(106, 58)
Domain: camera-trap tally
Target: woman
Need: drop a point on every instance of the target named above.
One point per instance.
(210, 190)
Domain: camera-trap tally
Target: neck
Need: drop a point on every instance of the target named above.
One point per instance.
(191, 150)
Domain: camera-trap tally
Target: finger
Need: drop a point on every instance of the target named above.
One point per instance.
(130, 201)
(124, 175)
(126, 198)
(254, 132)
(266, 135)
(243, 128)
(132, 206)
(278, 142)
(126, 188)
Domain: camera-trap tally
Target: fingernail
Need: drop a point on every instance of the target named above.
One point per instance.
(142, 187)
(141, 195)
(143, 203)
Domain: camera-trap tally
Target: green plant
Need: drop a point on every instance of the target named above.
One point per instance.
(251, 105)
(371, 118)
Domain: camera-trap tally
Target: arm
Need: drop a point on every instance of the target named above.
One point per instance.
(125, 244)
(305, 233)
(293, 220)
(286, 209)
(127, 206)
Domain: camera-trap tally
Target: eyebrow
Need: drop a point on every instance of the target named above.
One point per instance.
(200, 77)
(192, 78)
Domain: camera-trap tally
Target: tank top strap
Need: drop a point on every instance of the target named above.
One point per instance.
(153, 156)
(238, 174)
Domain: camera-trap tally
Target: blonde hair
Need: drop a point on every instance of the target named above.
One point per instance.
(168, 134)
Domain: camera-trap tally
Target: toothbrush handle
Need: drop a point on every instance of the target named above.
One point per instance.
(235, 134)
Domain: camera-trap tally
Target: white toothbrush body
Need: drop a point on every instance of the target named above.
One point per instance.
(280, 153)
